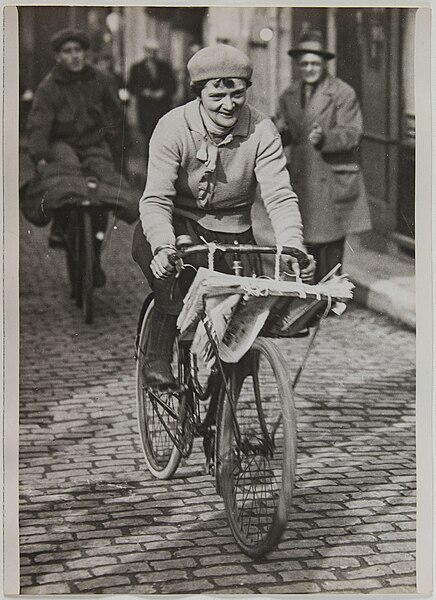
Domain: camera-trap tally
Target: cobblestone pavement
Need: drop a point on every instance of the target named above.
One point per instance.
(92, 520)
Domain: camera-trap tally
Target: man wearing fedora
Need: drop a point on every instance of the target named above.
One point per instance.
(319, 118)
(153, 84)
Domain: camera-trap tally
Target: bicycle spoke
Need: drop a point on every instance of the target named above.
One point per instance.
(166, 407)
(161, 424)
(250, 498)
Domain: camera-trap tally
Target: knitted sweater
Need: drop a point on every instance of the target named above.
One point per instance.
(252, 160)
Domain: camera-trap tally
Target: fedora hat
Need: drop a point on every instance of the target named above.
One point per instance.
(313, 42)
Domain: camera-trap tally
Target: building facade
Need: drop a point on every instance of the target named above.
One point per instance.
(374, 50)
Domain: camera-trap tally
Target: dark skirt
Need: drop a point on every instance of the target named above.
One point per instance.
(167, 293)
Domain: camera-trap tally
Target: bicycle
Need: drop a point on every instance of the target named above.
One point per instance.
(249, 425)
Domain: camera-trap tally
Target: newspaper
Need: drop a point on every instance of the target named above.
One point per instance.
(235, 309)
(234, 322)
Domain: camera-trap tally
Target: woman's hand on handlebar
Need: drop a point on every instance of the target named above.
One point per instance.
(307, 274)
(163, 263)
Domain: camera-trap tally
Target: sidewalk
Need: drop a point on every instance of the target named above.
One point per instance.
(384, 283)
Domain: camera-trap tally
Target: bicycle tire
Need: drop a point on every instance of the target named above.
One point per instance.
(87, 259)
(257, 474)
(162, 416)
(72, 241)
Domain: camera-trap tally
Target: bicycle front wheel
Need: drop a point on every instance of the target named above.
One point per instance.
(162, 416)
(86, 262)
(257, 449)
(72, 245)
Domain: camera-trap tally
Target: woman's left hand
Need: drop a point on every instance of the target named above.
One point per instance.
(307, 274)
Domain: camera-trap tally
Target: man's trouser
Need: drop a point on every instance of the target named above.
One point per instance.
(327, 256)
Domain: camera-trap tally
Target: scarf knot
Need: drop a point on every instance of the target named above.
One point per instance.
(208, 154)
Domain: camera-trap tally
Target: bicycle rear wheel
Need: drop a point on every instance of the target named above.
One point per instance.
(162, 416)
(86, 265)
(257, 446)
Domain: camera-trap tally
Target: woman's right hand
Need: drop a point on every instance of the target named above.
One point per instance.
(162, 266)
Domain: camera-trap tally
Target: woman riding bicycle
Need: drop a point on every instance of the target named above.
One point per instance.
(207, 160)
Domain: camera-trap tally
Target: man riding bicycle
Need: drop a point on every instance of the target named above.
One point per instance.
(207, 159)
(74, 107)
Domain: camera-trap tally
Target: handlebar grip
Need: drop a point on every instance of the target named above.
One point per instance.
(303, 259)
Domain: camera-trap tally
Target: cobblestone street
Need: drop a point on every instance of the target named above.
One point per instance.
(93, 521)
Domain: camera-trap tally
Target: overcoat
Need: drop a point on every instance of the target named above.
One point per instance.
(78, 109)
(149, 111)
(328, 179)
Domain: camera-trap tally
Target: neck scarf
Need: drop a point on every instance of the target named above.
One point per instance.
(212, 127)
(208, 154)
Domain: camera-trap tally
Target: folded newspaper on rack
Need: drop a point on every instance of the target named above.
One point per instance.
(236, 309)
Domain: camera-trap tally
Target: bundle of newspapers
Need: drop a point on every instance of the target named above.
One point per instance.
(237, 309)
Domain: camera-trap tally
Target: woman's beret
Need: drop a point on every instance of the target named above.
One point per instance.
(218, 61)
(68, 34)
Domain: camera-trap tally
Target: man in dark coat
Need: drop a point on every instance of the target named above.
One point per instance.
(320, 118)
(74, 106)
(153, 84)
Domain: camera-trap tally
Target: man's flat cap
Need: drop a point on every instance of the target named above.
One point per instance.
(67, 35)
(219, 61)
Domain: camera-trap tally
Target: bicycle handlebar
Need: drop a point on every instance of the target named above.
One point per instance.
(301, 256)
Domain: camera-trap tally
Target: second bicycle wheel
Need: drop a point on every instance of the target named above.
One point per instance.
(257, 449)
(86, 265)
(162, 421)
(72, 245)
